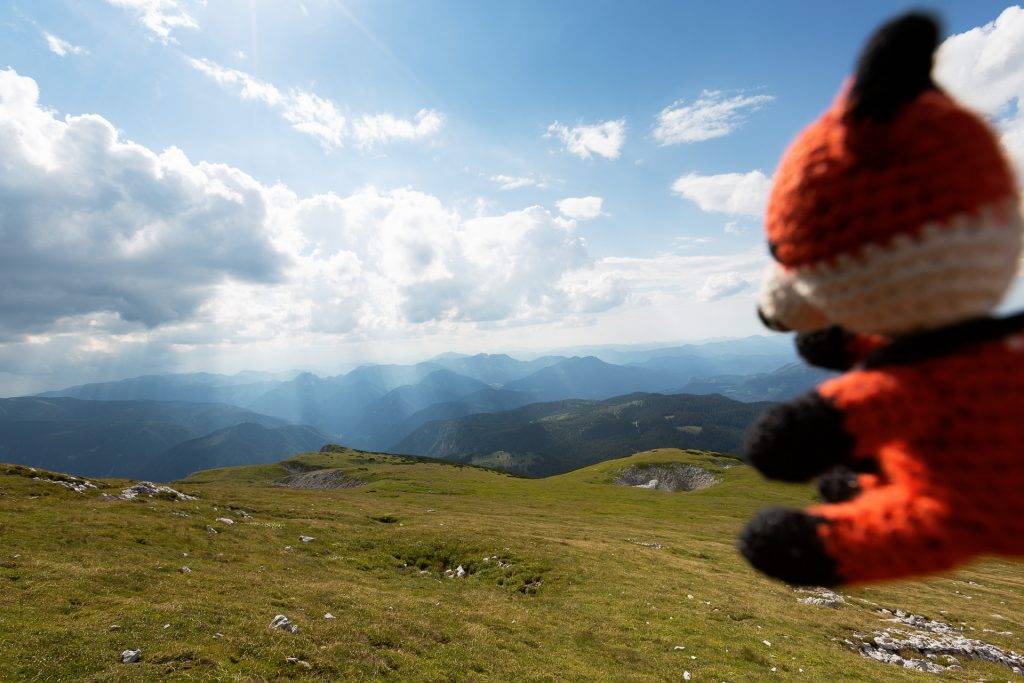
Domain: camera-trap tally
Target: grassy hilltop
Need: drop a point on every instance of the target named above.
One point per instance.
(585, 580)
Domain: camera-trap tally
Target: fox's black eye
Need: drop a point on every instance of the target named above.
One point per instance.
(773, 249)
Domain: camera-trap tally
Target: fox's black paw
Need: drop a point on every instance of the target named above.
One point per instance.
(784, 543)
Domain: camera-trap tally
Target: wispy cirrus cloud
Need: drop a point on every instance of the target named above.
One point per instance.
(516, 182)
(61, 47)
(162, 17)
(714, 114)
(603, 139)
(320, 117)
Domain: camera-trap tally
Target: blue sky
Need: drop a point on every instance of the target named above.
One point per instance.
(382, 159)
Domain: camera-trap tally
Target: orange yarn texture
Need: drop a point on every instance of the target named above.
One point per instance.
(845, 184)
(948, 436)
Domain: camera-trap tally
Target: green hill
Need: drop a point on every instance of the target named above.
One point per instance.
(542, 439)
(567, 578)
(247, 443)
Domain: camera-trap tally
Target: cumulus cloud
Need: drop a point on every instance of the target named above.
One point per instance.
(93, 223)
(721, 286)
(580, 208)
(511, 182)
(162, 17)
(714, 114)
(984, 68)
(604, 139)
(106, 239)
(740, 194)
(319, 117)
(61, 47)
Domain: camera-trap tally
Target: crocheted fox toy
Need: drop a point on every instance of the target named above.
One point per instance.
(895, 224)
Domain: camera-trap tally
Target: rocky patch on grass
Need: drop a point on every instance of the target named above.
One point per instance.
(672, 476)
(941, 646)
(822, 597)
(450, 561)
(151, 490)
(71, 483)
(318, 479)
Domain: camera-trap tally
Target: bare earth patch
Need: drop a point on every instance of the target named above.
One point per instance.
(667, 477)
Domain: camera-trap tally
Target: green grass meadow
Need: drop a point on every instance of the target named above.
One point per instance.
(584, 580)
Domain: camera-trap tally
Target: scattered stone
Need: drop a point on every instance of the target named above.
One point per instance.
(131, 656)
(767, 643)
(646, 544)
(178, 513)
(226, 521)
(283, 623)
(306, 539)
(148, 488)
(167, 626)
(686, 675)
(115, 627)
(299, 662)
(679, 647)
(72, 483)
(328, 616)
(186, 570)
(822, 597)
(457, 573)
(218, 635)
(667, 477)
(210, 529)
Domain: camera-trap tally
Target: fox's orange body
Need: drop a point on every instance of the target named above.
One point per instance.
(895, 223)
(947, 434)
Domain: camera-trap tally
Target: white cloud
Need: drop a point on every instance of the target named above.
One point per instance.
(604, 139)
(92, 223)
(580, 208)
(307, 112)
(109, 241)
(162, 17)
(375, 129)
(721, 286)
(713, 115)
(733, 228)
(510, 182)
(61, 47)
(984, 68)
(319, 117)
(741, 194)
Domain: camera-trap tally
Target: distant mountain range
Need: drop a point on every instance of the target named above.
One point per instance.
(365, 406)
(782, 384)
(165, 426)
(141, 439)
(542, 439)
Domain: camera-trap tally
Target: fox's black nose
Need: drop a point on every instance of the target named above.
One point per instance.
(771, 323)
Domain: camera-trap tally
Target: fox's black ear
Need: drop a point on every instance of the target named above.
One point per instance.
(895, 66)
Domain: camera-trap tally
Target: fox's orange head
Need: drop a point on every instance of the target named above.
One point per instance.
(896, 211)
